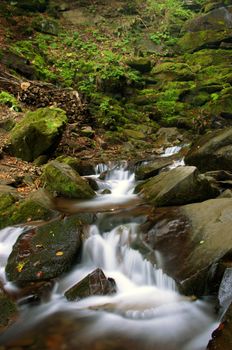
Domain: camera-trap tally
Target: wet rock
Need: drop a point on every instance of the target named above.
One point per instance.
(65, 181)
(225, 291)
(194, 243)
(8, 309)
(39, 132)
(178, 186)
(151, 169)
(96, 283)
(212, 151)
(45, 252)
(222, 336)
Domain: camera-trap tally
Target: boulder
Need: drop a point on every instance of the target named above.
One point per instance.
(212, 151)
(65, 181)
(178, 186)
(45, 252)
(81, 166)
(173, 71)
(39, 132)
(96, 283)
(151, 169)
(208, 30)
(141, 64)
(194, 242)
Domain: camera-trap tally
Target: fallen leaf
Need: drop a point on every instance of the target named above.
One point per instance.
(59, 253)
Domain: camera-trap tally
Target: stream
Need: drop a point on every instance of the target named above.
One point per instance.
(147, 312)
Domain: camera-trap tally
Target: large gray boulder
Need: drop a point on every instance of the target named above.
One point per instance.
(212, 151)
(194, 242)
(178, 186)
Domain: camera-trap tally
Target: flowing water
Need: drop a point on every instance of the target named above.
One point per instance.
(147, 312)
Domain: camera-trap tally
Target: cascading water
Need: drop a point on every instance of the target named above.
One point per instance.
(147, 308)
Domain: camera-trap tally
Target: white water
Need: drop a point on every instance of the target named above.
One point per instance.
(147, 304)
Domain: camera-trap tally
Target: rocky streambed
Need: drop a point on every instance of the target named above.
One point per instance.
(120, 255)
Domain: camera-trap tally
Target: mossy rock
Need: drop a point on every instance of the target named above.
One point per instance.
(82, 167)
(9, 100)
(47, 26)
(23, 212)
(221, 104)
(45, 252)
(37, 133)
(134, 134)
(141, 64)
(176, 71)
(62, 179)
(8, 311)
(6, 200)
(193, 41)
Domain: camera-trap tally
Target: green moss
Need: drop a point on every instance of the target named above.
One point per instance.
(37, 132)
(9, 100)
(6, 200)
(193, 41)
(24, 211)
(173, 71)
(63, 180)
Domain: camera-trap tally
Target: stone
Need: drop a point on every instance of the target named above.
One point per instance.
(212, 151)
(151, 169)
(173, 71)
(96, 283)
(83, 168)
(65, 181)
(208, 30)
(45, 252)
(141, 64)
(38, 133)
(178, 186)
(193, 240)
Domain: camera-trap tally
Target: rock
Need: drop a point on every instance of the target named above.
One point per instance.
(8, 310)
(65, 181)
(82, 167)
(166, 137)
(178, 186)
(208, 30)
(20, 64)
(141, 64)
(212, 151)
(25, 211)
(32, 5)
(88, 132)
(193, 240)
(38, 133)
(96, 283)
(222, 339)
(46, 26)
(151, 169)
(134, 134)
(6, 200)
(173, 71)
(45, 252)
(225, 292)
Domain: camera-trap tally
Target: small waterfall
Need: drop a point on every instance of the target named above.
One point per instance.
(169, 151)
